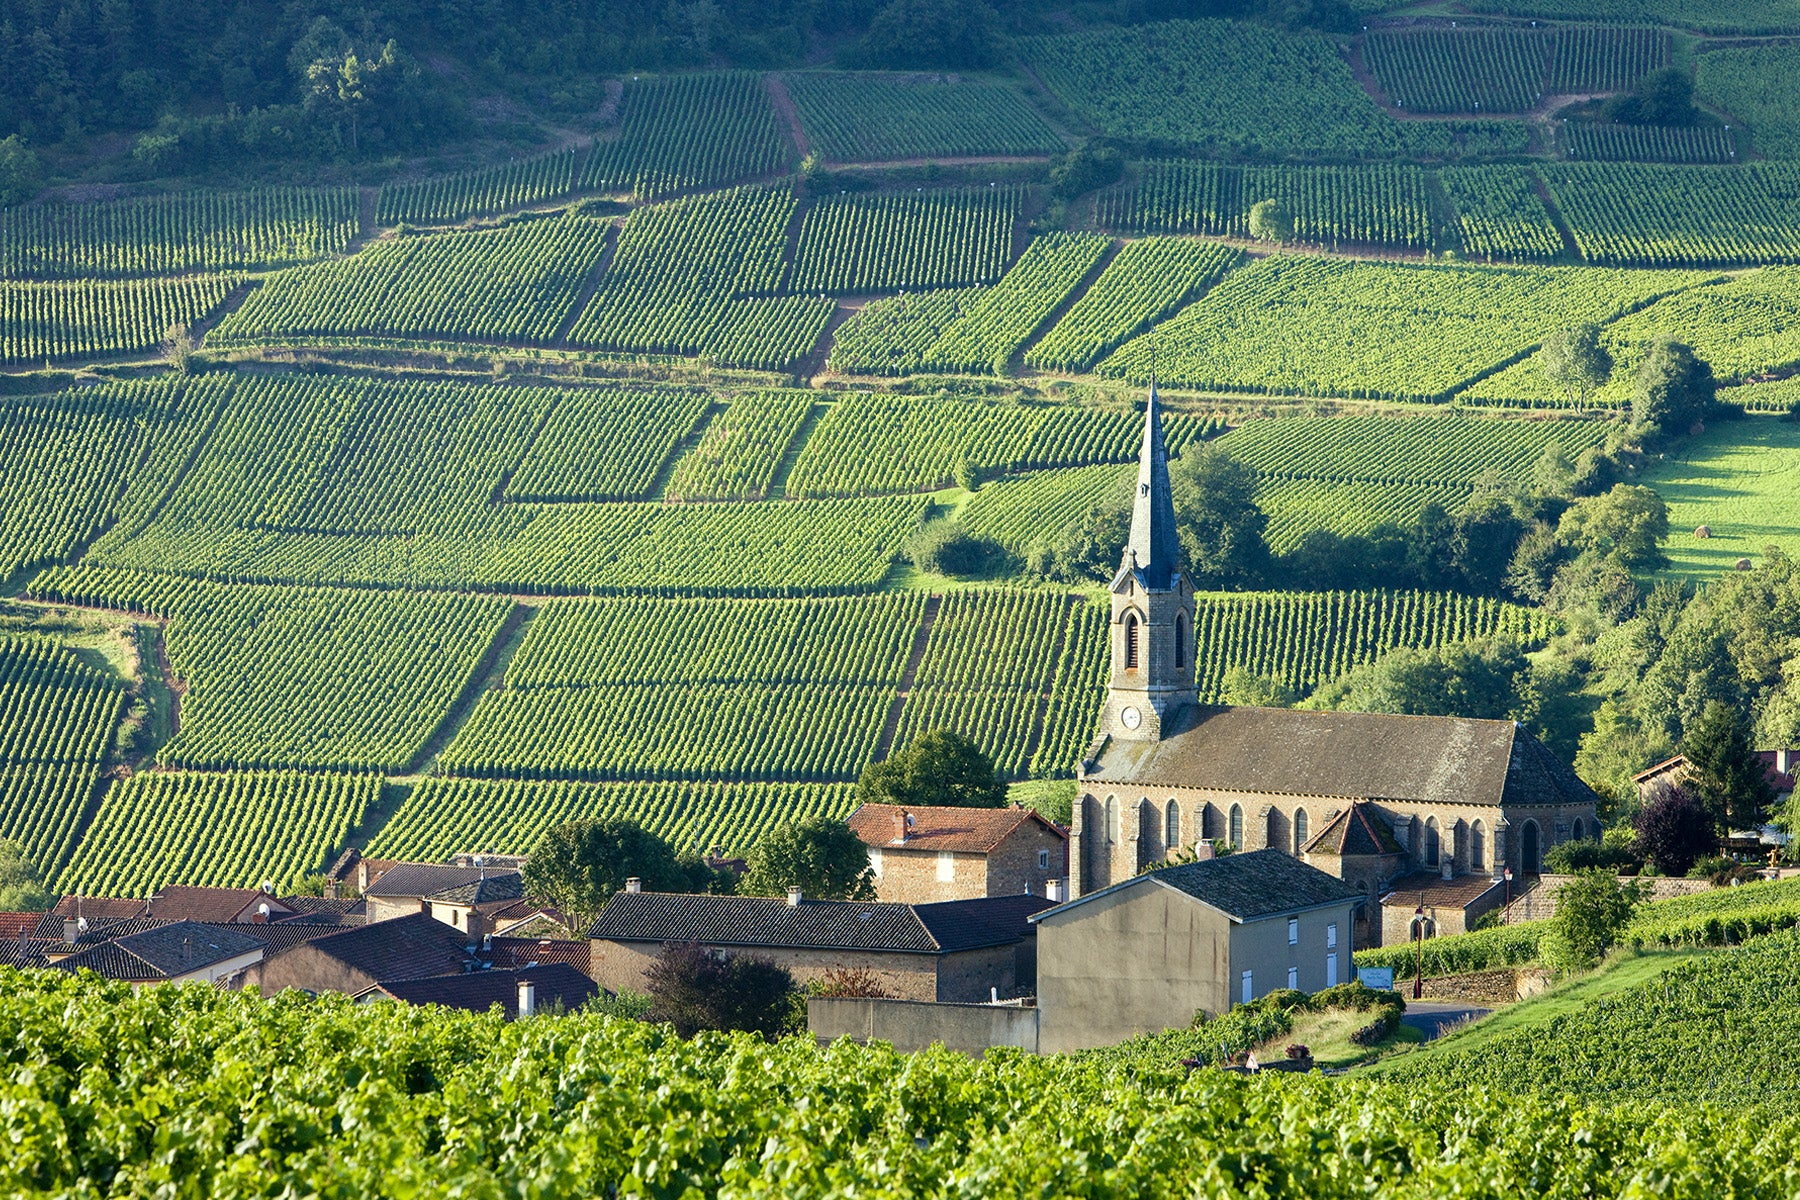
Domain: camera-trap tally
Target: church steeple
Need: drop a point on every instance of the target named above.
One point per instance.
(1153, 547)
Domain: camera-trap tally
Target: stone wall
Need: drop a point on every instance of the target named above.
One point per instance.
(969, 976)
(968, 1028)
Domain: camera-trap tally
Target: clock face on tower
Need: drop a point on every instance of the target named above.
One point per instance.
(1131, 716)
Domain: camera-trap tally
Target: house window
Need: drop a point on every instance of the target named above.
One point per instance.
(946, 866)
(1294, 977)
(1131, 642)
(1331, 936)
(1331, 970)
(1172, 825)
(1236, 834)
(1249, 989)
(1043, 860)
(875, 862)
(1293, 931)
(1299, 830)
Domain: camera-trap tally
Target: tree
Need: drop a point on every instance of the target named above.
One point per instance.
(1724, 774)
(578, 865)
(1663, 97)
(693, 988)
(1241, 686)
(1087, 549)
(1270, 221)
(1674, 389)
(1626, 526)
(178, 349)
(1469, 679)
(946, 548)
(1575, 362)
(1592, 910)
(938, 768)
(930, 33)
(1217, 520)
(1673, 830)
(20, 889)
(1482, 540)
(818, 855)
(20, 172)
(1086, 168)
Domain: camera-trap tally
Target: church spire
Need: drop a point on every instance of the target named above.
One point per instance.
(1153, 546)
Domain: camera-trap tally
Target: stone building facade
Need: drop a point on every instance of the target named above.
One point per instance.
(927, 855)
(1448, 795)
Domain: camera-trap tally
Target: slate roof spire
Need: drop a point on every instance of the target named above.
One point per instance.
(1153, 547)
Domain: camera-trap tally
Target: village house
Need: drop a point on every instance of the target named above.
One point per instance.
(1147, 953)
(226, 906)
(1783, 769)
(957, 951)
(176, 952)
(354, 959)
(548, 987)
(1447, 795)
(927, 854)
(465, 898)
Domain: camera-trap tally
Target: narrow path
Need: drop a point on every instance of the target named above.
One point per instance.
(1017, 361)
(489, 675)
(814, 363)
(368, 220)
(1434, 1019)
(1556, 217)
(784, 468)
(233, 300)
(560, 339)
(921, 640)
(785, 108)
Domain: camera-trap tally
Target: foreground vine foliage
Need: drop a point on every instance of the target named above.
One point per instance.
(188, 1092)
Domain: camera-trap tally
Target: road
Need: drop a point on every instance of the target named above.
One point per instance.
(1434, 1017)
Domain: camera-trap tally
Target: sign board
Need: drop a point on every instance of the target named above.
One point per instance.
(1380, 979)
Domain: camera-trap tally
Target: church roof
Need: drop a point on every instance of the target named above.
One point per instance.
(1152, 547)
(1356, 756)
(1359, 829)
(1245, 887)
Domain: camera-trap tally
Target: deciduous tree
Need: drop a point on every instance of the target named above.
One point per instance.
(938, 768)
(693, 988)
(818, 855)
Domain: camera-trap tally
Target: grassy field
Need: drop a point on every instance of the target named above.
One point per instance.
(1741, 480)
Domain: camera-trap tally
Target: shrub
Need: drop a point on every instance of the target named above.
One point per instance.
(1573, 857)
(851, 983)
(693, 988)
(945, 548)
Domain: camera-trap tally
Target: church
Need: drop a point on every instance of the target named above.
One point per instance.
(1367, 797)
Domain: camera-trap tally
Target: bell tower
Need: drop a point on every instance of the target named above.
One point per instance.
(1152, 632)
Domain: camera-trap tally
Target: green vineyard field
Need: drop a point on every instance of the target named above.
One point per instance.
(1492, 70)
(89, 319)
(743, 447)
(997, 321)
(1648, 143)
(1755, 85)
(680, 132)
(1149, 280)
(1659, 216)
(1499, 213)
(605, 444)
(892, 336)
(453, 198)
(877, 118)
(864, 242)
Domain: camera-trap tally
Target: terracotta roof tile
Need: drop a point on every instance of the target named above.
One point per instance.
(19, 924)
(409, 947)
(1439, 892)
(962, 830)
(183, 903)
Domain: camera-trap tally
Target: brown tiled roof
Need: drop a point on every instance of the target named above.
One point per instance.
(348, 909)
(166, 952)
(1439, 892)
(25, 952)
(283, 935)
(1352, 755)
(183, 903)
(1359, 829)
(409, 947)
(491, 889)
(409, 880)
(19, 924)
(962, 830)
(523, 951)
(555, 984)
(51, 928)
(96, 908)
(772, 922)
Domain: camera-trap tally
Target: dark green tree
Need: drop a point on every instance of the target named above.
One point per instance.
(1673, 830)
(1482, 542)
(20, 172)
(1674, 389)
(1626, 526)
(1270, 221)
(20, 888)
(946, 548)
(1217, 519)
(1088, 167)
(930, 33)
(937, 768)
(1663, 97)
(1086, 550)
(820, 856)
(1724, 773)
(1592, 911)
(577, 866)
(693, 988)
(1575, 362)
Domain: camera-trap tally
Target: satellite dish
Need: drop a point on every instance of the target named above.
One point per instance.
(81, 924)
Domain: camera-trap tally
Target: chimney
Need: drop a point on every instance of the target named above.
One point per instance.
(1784, 761)
(71, 930)
(187, 949)
(1053, 890)
(900, 827)
(634, 884)
(794, 897)
(527, 998)
(331, 889)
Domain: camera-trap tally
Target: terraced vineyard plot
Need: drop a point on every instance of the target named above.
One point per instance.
(40, 321)
(1499, 213)
(877, 242)
(177, 233)
(891, 336)
(876, 118)
(334, 678)
(1148, 280)
(1296, 507)
(62, 460)
(778, 690)
(737, 456)
(1449, 450)
(1774, 396)
(57, 715)
(446, 816)
(1641, 215)
(688, 131)
(998, 320)
(1228, 88)
(1647, 143)
(1588, 59)
(216, 829)
(768, 333)
(1022, 511)
(873, 443)
(1367, 205)
(453, 198)
(513, 283)
(1333, 327)
(1076, 693)
(1755, 84)
(1479, 70)
(990, 663)
(1740, 479)
(606, 444)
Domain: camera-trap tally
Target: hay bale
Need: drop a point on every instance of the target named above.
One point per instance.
(1703, 531)
(1743, 564)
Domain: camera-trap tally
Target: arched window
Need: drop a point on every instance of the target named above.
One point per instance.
(1299, 830)
(1478, 847)
(1131, 642)
(1172, 825)
(1112, 818)
(1529, 861)
(1431, 842)
(1236, 834)
(1180, 641)
(1580, 830)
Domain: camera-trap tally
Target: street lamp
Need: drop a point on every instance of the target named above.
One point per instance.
(1507, 919)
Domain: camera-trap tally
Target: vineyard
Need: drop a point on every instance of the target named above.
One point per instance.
(178, 233)
(1459, 71)
(874, 118)
(1657, 216)
(892, 336)
(1443, 450)
(449, 199)
(512, 283)
(1499, 213)
(1754, 84)
(56, 724)
(994, 323)
(1648, 143)
(40, 321)
(1149, 280)
(863, 242)
(603, 444)
(681, 132)
(743, 446)
(215, 829)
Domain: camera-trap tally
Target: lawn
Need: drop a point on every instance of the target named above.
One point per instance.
(1741, 479)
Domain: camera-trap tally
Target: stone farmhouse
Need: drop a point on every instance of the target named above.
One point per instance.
(922, 855)
(1446, 795)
